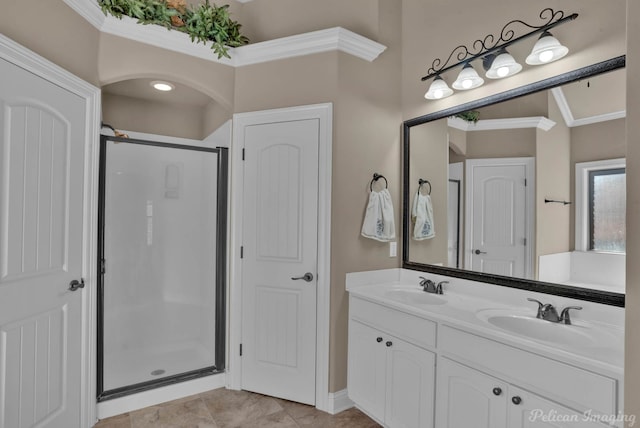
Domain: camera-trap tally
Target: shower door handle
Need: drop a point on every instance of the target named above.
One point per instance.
(75, 284)
(307, 277)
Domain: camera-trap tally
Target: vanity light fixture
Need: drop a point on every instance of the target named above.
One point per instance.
(162, 86)
(547, 49)
(438, 89)
(467, 79)
(503, 65)
(492, 51)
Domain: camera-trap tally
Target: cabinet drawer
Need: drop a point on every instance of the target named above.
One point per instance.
(558, 381)
(416, 330)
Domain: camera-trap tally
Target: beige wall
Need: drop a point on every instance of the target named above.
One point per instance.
(432, 29)
(50, 28)
(504, 143)
(134, 114)
(632, 339)
(265, 20)
(429, 161)
(553, 222)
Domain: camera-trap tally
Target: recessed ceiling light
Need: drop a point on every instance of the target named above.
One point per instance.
(162, 86)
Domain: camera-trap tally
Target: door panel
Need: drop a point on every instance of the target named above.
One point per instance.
(410, 386)
(367, 368)
(466, 398)
(42, 132)
(280, 228)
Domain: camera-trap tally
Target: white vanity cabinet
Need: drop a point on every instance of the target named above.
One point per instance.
(389, 378)
(467, 397)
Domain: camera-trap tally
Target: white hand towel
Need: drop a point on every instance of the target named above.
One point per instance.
(379, 223)
(422, 216)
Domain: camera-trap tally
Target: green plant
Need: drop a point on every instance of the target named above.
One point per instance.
(469, 116)
(203, 23)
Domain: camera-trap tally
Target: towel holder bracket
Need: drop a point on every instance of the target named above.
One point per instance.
(377, 177)
(421, 182)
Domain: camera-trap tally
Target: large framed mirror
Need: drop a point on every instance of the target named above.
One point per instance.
(531, 195)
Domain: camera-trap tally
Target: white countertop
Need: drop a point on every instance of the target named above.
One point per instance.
(469, 304)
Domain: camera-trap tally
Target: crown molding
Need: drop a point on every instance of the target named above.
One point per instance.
(567, 114)
(331, 39)
(539, 122)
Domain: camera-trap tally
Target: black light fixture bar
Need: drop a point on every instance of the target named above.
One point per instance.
(506, 39)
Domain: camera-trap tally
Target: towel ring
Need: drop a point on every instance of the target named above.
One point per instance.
(421, 182)
(376, 177)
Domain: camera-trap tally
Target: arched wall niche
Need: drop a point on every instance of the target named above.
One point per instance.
(132, 104)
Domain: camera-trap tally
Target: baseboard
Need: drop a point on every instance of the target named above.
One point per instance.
(152, 397)
(339, 401)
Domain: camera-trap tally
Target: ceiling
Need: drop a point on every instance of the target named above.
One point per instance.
(142, 89)
(597, 96)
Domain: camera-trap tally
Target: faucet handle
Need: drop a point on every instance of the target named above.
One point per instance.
(564, 316)
(540, 306)
(439, 286)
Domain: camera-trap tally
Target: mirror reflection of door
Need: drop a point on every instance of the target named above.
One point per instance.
(454, 215)
(499, 192)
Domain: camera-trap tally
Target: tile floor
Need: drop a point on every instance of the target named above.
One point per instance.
(224, 408)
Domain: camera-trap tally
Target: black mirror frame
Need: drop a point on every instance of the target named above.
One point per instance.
(605, 297)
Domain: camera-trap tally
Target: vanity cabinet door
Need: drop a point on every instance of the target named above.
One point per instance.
(367, 368)
(527, 410)
(410, 385)
(469, 398)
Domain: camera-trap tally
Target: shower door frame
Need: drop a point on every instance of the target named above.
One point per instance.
(220, 279)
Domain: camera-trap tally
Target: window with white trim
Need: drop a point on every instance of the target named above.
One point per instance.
(601, 206)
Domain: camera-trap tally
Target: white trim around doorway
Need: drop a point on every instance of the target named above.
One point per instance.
(324, 113)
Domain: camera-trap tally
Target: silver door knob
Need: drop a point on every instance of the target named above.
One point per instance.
(306, 277)
(75, 284)
(480, 252)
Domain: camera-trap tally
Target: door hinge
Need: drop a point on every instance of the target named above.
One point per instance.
(241, 349)
(241, 252)
(103, 264)
(525, 182)
(525, 242)
(242, 154)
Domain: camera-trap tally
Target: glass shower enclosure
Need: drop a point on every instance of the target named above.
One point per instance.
(162, 245)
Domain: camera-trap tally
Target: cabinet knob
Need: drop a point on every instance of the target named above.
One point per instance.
(389, 344)
(378, 339)
(516, 400)
(497, 391)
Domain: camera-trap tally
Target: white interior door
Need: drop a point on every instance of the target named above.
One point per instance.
(42, 134)
(499, 212)
(280, 241)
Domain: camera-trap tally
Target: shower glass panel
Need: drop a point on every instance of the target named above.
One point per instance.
(163, 239)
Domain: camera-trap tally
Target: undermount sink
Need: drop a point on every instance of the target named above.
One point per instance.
(414, 297)
(534, 328)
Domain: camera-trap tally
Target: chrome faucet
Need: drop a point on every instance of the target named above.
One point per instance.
(548, 312)
(429, 286)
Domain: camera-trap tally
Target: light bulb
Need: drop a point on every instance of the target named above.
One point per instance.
(467, 83)
(545, 56)
(502, 71)
(162, 86)
(437, 94)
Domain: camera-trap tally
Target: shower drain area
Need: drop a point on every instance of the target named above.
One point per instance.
(158, 372)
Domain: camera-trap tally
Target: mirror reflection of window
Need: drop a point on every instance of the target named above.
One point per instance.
(607, 208)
